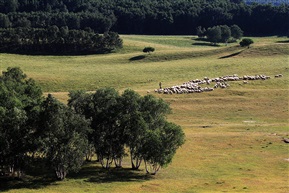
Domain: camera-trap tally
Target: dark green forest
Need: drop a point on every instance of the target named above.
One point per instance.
(146, 16)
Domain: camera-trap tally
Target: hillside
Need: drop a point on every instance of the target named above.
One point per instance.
(233, 135)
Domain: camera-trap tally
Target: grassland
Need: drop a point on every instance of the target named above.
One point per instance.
(233, 135)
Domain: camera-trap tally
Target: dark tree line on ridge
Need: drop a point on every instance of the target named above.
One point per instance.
(146, 16)
(57, 41)
(104, 123)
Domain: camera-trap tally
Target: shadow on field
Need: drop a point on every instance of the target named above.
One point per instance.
(283, 42)
(37, 176)
(140, 57)
(231, 55)
(7, 184)
(205, 44)
(97, 174)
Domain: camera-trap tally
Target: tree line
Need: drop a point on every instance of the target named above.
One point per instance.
(54, 40)
(146, 16)
(220, 33)
(105, 123)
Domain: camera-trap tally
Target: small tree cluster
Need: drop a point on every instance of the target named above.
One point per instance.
(132, 121)
(221, 33)
(104, 123)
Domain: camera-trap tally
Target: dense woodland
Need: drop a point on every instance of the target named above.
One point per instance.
(73, 26)
(105, 123)
(146, 16)
(52, 40)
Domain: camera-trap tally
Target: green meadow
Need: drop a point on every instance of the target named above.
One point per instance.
(233, 135)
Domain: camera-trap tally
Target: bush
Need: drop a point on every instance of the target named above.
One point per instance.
(246, 42)
(148, 49)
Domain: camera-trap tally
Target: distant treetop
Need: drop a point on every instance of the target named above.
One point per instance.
(273, 2)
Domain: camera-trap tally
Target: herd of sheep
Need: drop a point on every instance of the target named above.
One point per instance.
(195, 86)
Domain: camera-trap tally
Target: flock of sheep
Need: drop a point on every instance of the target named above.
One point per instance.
(195, 86)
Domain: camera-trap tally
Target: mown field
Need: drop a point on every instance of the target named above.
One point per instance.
(233, 135)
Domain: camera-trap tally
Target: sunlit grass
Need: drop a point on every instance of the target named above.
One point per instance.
(233, 135)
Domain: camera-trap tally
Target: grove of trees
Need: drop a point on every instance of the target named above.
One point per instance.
(222, 33)
(105, 123)
(53, 40)
(146, 16)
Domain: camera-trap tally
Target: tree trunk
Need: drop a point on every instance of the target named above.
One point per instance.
(89, 153)
(118, 162)
(108, 163)
(152, 168)
(60, 173)
(135, 163)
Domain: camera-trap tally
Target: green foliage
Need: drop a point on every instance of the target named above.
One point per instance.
(225, 33)
(55, 41)
(160, 145)
(20, 100)
(246, 42)
(107, 134)
(64, 137)
(236, 32)
(4, 21)
(214, 34)
(129, 119)
(152, 17)
(201, 32)
(148, 50)
(134, 125)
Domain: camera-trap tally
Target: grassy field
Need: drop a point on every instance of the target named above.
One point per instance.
(233, 135)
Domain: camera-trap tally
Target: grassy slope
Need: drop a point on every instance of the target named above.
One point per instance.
(233, 135)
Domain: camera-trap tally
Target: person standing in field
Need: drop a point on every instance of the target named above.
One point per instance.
(160, 84)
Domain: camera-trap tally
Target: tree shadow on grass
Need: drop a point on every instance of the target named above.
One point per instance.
(96, 174)
(231, 55)
(205, 44)
(283, 42)
(37, 176)
(140, 57)
(9, 183)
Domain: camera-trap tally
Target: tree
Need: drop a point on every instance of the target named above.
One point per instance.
(225, 33)
(64, 136)
(160, 146)
(201, 32)
(246, 42)
(134, 125)
(236, 32)
(4, 21)
(81, 103)
(20, 100)
(10, 5)
(107, 133)
(148, 50)
(214, 34)
(152, 149)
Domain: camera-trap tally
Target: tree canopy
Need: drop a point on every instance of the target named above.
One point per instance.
(246, 42)
(148, 50)
(147, 16)
(57, 41)
(130, 120)
(64, 137)
(20, 100)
